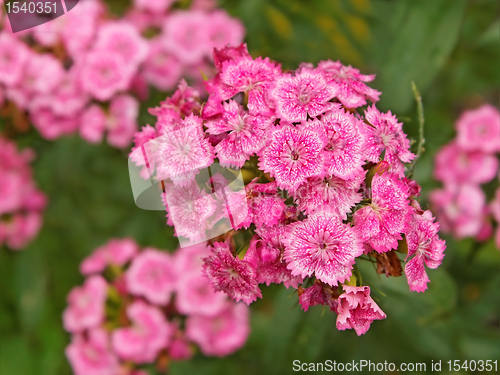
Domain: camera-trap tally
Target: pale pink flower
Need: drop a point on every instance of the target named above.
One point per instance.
(150, 332)
(123, 39)
(104, 74)
(189, 260)
(115, 251)
(343, 151)
(195, 295)
(231, 275)
(42, 74)
(301, 96)
(223, 30)
(385, 133)
(86, 305)
(348, 84)
(185, 36)
(292, 156)
(479, 129)
(152, 275)
(93, 123)
(189, 208)
(459, 209)
(183, 152)
(425, 247)
(14, 55)
(220, 335)
(161, 69)
(52, 126)
(156, 6)
(21, 229)
(122, 120)
(91, 354)
(382, 222)
(322, 245)
(455, 165)
(357, 310)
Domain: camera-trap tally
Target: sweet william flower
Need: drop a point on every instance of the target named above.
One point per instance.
(357, 310)
(292, 156)
(479, 129)
(305, 94)
(152, 275)
(324, 247)
(149, 333)
(86, 305)
(116, 251)
(231, 275)
(425, 247)
(220, 335)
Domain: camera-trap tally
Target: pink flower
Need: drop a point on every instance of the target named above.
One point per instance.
(161, 68)
(179, 348)
(92, 355)
(14, 55)
(344, 143)
(424, 243)
(245, 134)
(357, 310)
(305, 94)
(122, 120)
(495, 211)
(52, 126)
(152, 275)
(149, 333)
(185, 36)
(318, 294)
(123, 39)
(20, 229)
(86, 305)
(231, 275)
(104, 74)
(333, 194)
(190, 208)
(265, 255)
(93, 123)
(348, 84)
(189, 260)
(455, 165)
(158, 6)
(382, 221)
(229, 53)
(116, 251)
(195, 295)
(386, 133)
(220, 335)
(459, 209)
(182, 153)
(322, 245)
(292, 156)
(223, 30)
(479, 129)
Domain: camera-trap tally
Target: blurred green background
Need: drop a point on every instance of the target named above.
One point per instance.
(450, 48)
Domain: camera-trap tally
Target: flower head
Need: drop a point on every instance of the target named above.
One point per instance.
(322, 245)
(479, 130)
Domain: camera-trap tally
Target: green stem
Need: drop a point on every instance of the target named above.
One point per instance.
(421, 120)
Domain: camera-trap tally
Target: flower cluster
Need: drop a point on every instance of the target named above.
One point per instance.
(326, 182)
(463, 165)
(138, 307)
(21, 202)
(84, 71)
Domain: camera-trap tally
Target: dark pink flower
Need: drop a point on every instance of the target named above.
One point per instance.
(382, 222)
(292, 156)
(348, 84)
(385, 133)
(305, 94)
(231, 275)
(357, 310)
(425, 247)
(324, 247)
